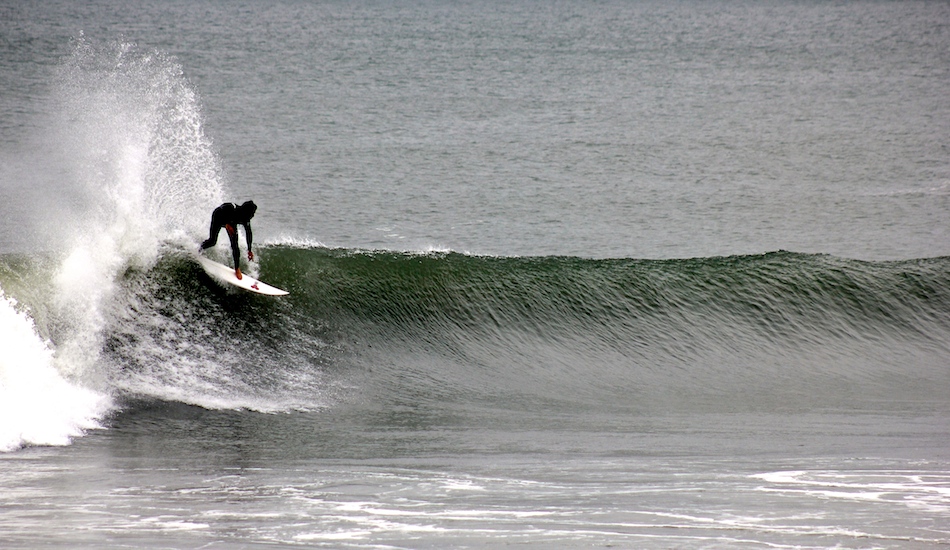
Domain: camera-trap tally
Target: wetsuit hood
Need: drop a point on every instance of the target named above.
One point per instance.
(246, 211)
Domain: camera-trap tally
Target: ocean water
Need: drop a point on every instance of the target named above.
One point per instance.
(562, 274)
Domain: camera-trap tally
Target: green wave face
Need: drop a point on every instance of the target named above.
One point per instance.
(376, 327)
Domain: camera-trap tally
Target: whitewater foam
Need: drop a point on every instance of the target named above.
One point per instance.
(914, 489)
(133, 170)
(290, 241)
(38, 404)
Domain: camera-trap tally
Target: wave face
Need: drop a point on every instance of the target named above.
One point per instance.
(773, 330)
(557, 335)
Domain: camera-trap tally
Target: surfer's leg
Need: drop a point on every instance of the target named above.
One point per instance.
(213, 239)
(235, 250)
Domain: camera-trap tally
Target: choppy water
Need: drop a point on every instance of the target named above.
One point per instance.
(562, 275)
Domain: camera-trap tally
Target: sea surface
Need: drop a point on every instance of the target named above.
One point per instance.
(562, 274)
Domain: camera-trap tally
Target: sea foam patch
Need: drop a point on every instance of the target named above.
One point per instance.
(921, 490)
(38, 405)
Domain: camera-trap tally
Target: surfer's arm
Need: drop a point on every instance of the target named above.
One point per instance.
(250, 238)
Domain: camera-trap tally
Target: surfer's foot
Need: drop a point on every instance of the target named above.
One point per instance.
(237, 273)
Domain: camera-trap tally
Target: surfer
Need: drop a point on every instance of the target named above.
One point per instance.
(229, 216)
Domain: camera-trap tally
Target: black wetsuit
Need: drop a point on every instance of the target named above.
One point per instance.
(231, 215)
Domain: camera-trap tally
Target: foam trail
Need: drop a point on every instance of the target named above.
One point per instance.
(38, 406)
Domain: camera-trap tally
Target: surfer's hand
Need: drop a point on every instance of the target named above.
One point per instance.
(250, 256)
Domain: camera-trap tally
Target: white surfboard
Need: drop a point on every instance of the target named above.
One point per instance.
(226, 274)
